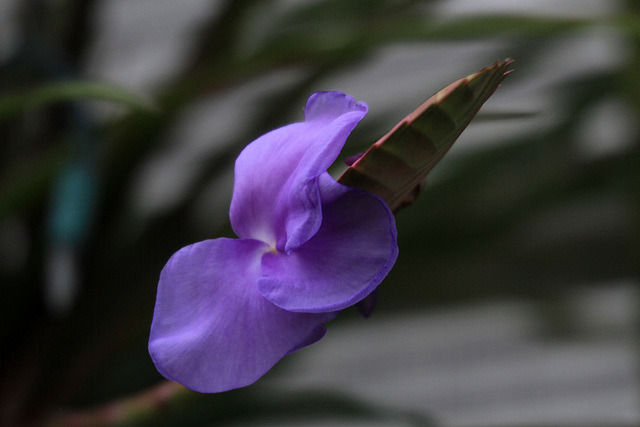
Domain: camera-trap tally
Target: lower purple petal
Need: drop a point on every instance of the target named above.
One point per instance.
(342, 263)
(212, 330)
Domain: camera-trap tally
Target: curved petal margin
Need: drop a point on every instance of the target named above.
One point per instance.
(212, 331)
(275, 196)
(343, 262)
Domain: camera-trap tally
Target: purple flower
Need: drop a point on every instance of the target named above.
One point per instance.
(228, 309)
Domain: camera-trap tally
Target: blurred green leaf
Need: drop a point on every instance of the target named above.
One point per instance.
(69, 91)
(488, 26)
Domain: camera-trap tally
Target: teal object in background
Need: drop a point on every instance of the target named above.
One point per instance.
(73, 204)
(73, 208)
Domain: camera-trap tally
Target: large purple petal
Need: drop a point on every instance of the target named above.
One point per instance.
(275, 195)
(343, 262)
(212, 330)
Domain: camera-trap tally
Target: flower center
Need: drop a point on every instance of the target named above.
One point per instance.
(270, 246)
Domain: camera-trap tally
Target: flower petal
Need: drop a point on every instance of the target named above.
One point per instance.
(343, 262)
(275, 195)
(212, 330)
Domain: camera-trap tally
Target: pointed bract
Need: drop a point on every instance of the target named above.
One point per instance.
(397, 164)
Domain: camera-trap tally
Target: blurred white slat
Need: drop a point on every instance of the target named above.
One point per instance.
(490, 364)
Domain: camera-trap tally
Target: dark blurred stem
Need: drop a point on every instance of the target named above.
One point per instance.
(631, 88)
(217, 38)
(54, 37)
(166, 403)
(128, 410)
(78, 35)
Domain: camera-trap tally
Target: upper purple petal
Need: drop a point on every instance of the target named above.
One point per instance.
(212, 330)
(275, 194)
(353, 250)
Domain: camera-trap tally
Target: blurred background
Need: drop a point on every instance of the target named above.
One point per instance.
(515, 296)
